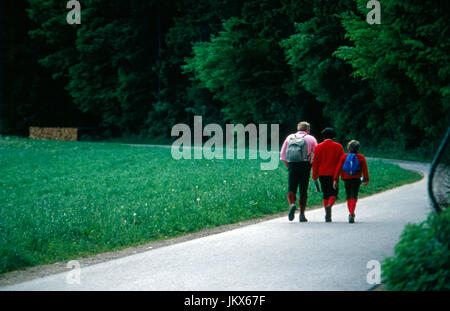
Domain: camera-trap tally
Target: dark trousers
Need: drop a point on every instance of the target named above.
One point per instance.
(299, 175)
(352, 188)
(326, 183)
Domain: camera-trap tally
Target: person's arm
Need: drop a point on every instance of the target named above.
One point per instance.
(283, 152)
(337, 173)
(335, 184)
(341, 151)
(313, 147)
(365, 171)
(315, 164)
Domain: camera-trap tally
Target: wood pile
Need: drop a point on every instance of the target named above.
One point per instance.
(54, 133)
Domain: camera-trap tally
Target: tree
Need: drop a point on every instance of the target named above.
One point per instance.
(309, 51)
(109, 61)
(181, 97)
(406, 62)
(29, 95)
(244, 66)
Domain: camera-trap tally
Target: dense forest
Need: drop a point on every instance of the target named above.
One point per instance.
(139, 67)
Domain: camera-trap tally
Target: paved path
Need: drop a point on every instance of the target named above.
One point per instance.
(272, 255)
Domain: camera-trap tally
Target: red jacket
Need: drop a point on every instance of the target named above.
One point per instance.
(326, 158)
(362, 163)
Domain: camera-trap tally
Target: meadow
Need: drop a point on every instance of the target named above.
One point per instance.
(63, 200)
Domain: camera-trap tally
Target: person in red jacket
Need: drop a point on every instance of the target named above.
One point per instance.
(350, 172)
(326, 158)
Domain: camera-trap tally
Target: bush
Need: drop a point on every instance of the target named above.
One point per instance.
(421, 259)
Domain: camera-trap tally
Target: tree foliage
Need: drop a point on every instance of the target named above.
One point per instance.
(406, 62)
(28, 94)
(244, 66)
(139, 67)
(309, 52)
(109, 60)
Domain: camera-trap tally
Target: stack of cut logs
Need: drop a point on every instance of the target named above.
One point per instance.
(54, 133)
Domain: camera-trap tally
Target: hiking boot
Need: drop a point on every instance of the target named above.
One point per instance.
(328, 214)
(291, 214)
(302, 218)
(351, 218)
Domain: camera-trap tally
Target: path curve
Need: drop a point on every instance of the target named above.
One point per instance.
(272, 255)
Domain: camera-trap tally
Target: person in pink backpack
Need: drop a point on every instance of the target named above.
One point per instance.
(296, 154)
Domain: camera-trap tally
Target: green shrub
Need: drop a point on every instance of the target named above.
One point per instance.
(421, 259)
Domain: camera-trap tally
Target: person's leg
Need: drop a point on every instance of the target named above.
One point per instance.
(352, 197)
(293, 181)
(304, 176)
(356, 183)
(291, 197)
(328, 195)
(325, 190)
(348, 194)
(333, 193)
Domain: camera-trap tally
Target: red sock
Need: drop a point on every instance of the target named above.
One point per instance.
(291, 198)
(352, 206)
(331, 200)
(325, 202)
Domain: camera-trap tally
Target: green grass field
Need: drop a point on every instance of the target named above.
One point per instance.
(62, 200)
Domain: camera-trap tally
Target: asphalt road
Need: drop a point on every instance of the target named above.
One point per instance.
(273, 255)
